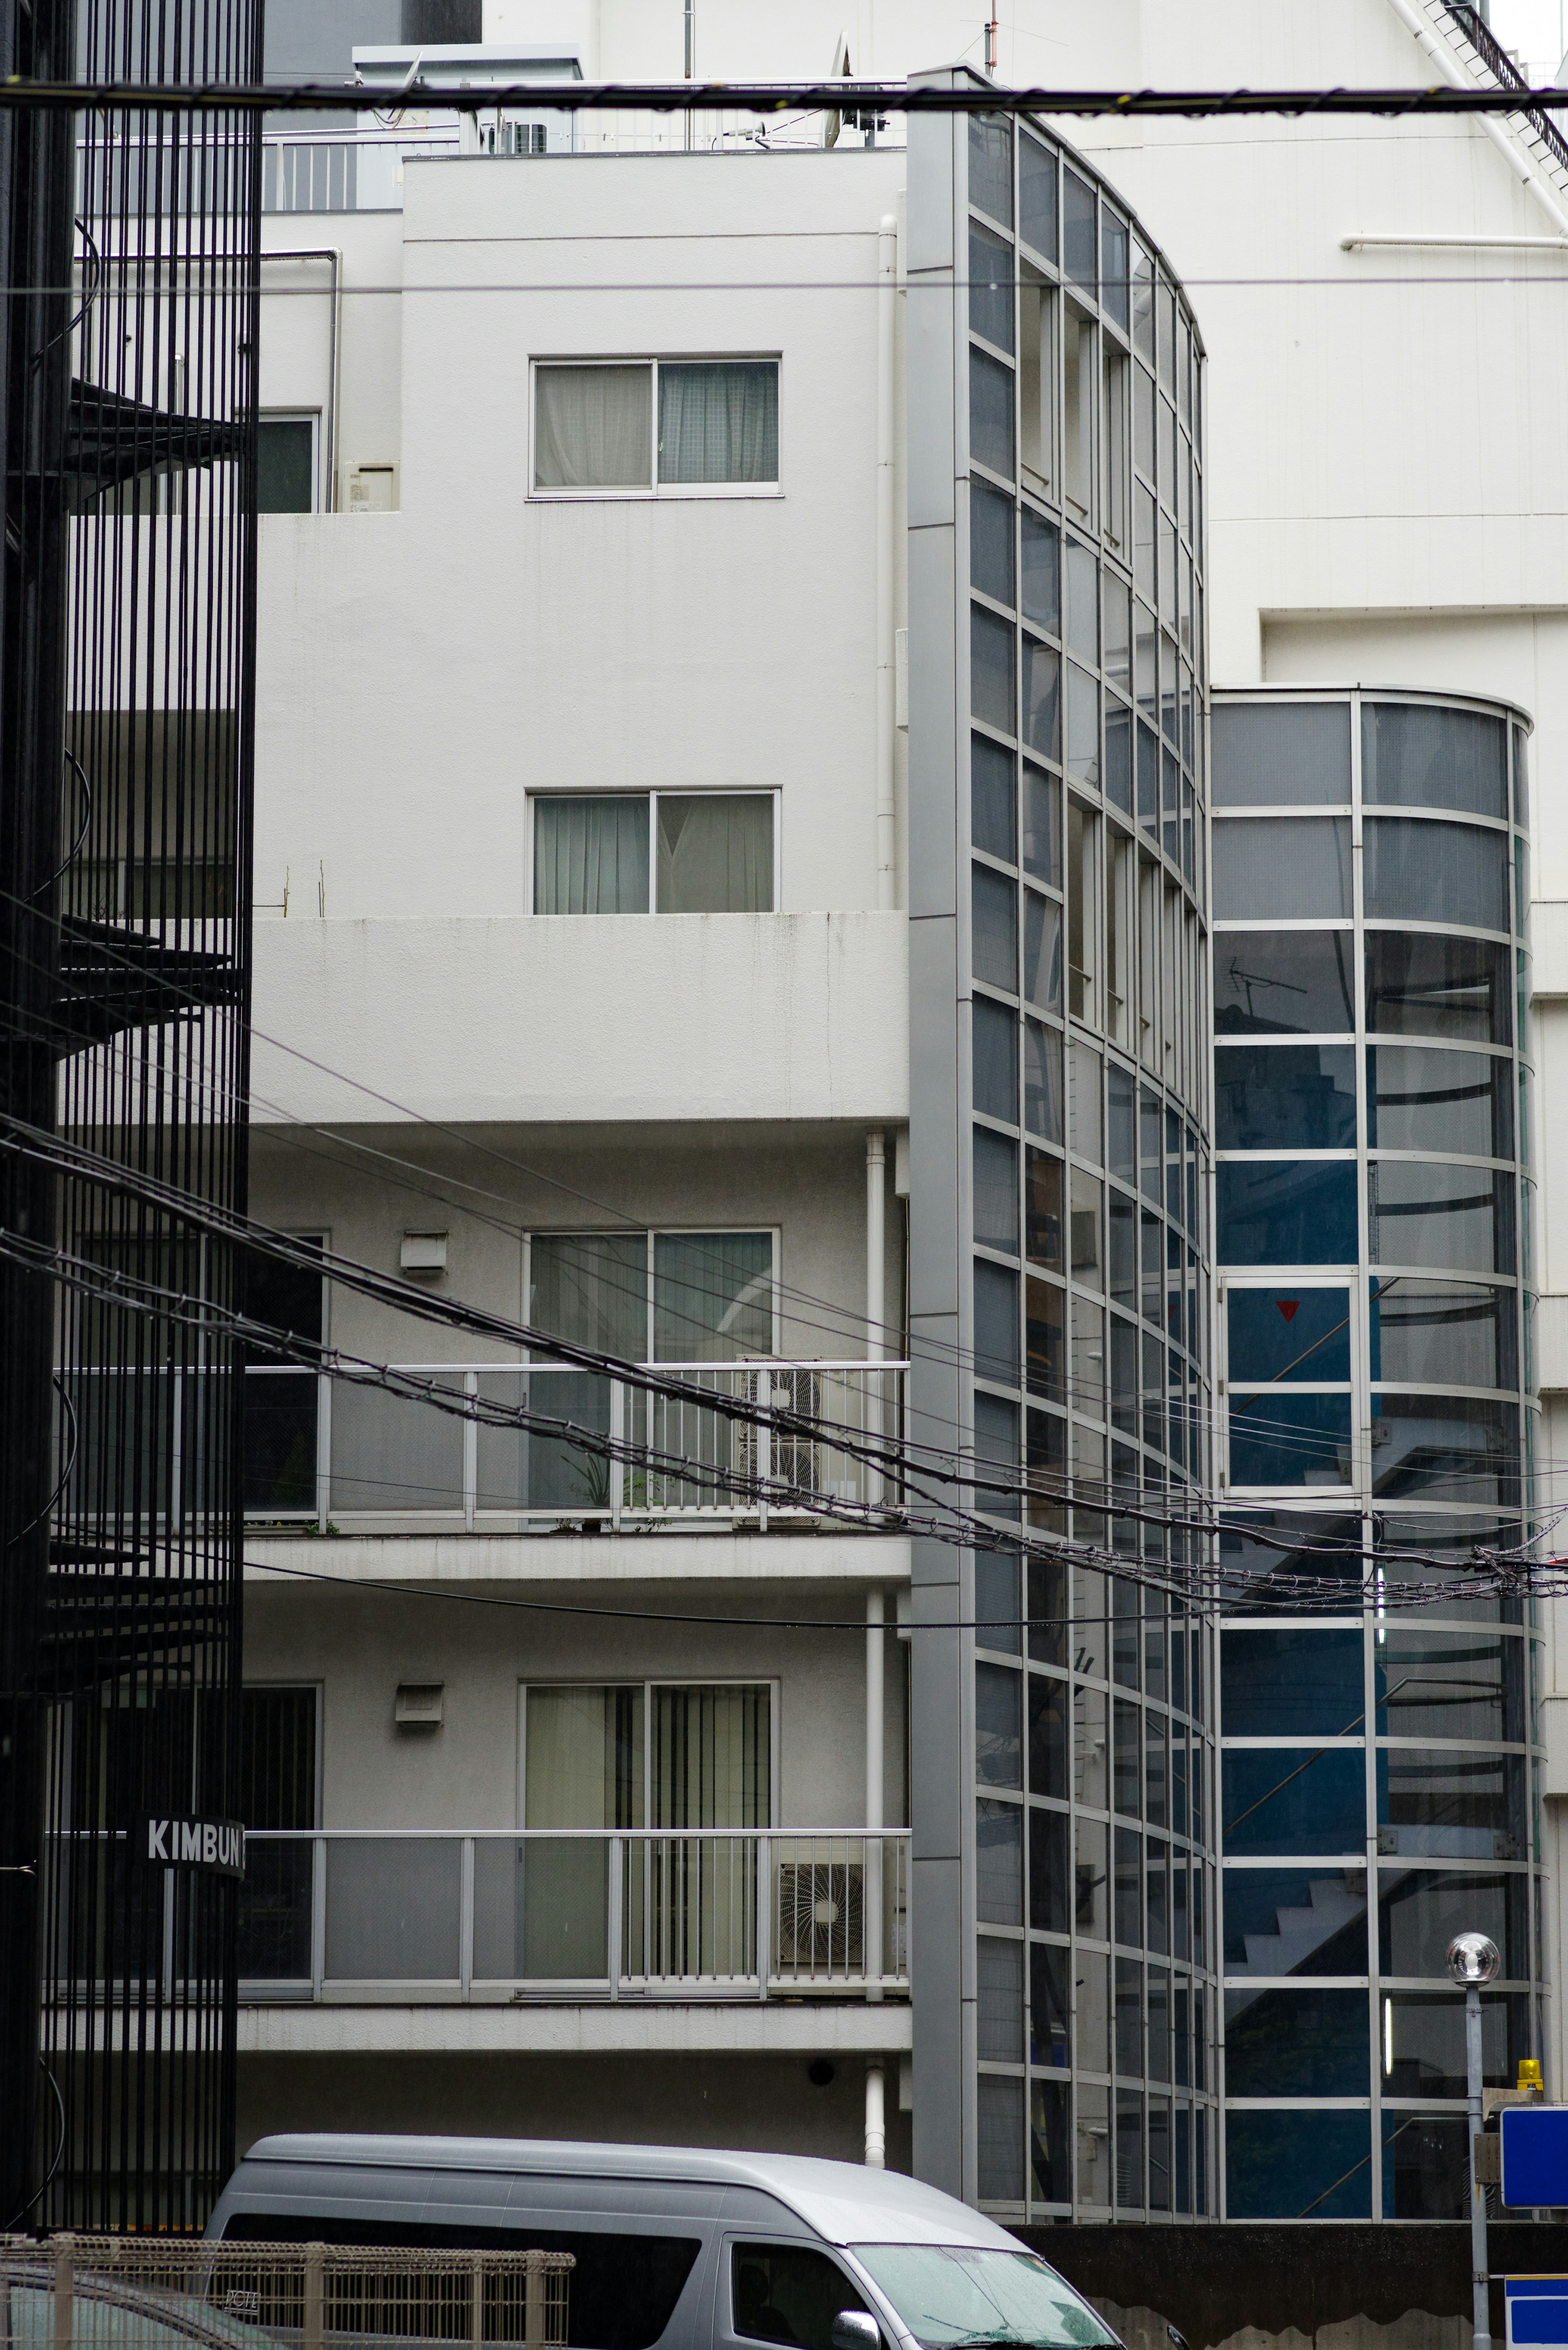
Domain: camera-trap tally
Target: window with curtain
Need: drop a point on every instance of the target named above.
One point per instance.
(594, 424)
(711, 1293)
(711, 853)
(591, 1290)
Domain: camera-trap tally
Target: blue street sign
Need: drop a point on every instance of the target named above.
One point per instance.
(1537, 2312)
(1534, 2156)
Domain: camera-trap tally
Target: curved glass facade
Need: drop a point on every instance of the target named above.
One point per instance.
(1379, 1774)
(1060, 1255)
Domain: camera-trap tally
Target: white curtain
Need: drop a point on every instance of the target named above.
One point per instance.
(593, 428)
(590, 855)
(711, 1758)
(719, 421)
(583, 1766)
(713, 1296)
(591, 1289)
(716, 854)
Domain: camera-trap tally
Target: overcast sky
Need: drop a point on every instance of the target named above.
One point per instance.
(1535, 29)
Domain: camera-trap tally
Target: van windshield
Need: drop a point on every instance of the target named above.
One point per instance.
(955, 2297)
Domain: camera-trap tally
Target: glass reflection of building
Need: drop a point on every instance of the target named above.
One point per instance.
(1064, 1904)
(1379, 1788)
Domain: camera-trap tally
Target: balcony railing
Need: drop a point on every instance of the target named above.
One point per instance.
(333, 1450)
(355, 1916)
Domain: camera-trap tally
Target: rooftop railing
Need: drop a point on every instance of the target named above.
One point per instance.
(354, 1917)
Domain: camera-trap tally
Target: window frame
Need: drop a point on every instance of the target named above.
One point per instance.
(651, 793)
(300, 415)
(655, 489)
(316, 1685)
(772, 1682)
(650, 1235)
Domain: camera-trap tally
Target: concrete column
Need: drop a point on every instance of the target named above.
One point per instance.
(876, 1248)
(875, 2124)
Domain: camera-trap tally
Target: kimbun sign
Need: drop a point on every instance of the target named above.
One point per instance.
(215, 1846)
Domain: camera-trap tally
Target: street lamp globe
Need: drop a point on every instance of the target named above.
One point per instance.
(1473, 1960)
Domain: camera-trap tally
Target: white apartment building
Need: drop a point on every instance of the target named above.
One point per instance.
(615, 973)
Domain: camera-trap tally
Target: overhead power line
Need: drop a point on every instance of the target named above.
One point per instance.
(867, 98)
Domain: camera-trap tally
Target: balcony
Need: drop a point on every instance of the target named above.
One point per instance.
(351, 1918)
(358, 1457)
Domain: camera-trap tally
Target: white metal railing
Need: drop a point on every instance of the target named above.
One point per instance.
(335, 1450)
(349, 1914)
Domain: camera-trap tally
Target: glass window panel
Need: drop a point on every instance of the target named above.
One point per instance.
(1288, 1921)
(1128, 2045)
(583, 1760)
(1453, 1102)
(1117, 658)
(991, 543)
(995, 1191)
(995, 1033)
(593, 428)
(1284, 1097)
(1419, 1911)
(713, 1295)
(991, 166)
(992, 799)
(1115, 290)
(1083, 629)
(1089, 1261)
(999, 2153)
(1043, 952)
(993, 927)
(1278, 1439)
(1423, 1211)
(1432, 872)
(990, 412)
(1118, 777)
(719, 421)
(1049, 2137)
(715, 853)
(1123, 1123)
(996, 1447)
(1041, 723)
(1037, 380)
(591, 1289)
(1296, 1335)
(1042, 1209)
(1261, 873)
(1276, 1683)
(590, 855)
(1048, 1871)
(1082, 754)
(1298, 2166)
(1047, 1449)
(1287, 1213)
(1047, 1737)
(1037, 197)
(1459, 1805)
(991, 668)
(1085, 1069)
(1413, 756)
(990, 276)
(1126, 1793)
(1286, 1799)
(1130, 2153)
(1045, 1306)
(1280, 755)
(1042, 825)
(1080, 401)
(1422, 2053)
(998, 1726)
(1310, 2042)
(1042, 591)
(1439, 1333)
(999, 1986)
(995, 1322)
(1445, 1448)
(998, 1862)
(1457, 989)
(1080, 256)
(996, 1601)
(1041, 1081)
(286, 465)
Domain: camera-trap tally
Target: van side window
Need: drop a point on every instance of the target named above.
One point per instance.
(623, 2289)
(785, 2293)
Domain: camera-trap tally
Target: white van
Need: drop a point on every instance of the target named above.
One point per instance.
(681, 2247)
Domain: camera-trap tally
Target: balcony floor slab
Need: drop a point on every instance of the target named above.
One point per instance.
(720, 1555)
(816, 2027)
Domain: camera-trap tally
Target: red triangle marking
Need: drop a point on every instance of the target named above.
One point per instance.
(1288, 1307)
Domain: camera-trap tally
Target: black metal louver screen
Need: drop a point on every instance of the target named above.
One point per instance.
(128, 242)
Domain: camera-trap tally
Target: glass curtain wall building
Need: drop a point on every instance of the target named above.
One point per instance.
(1379, 1788)
(1060, 1175)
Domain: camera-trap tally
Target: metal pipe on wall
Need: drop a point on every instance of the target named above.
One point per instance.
(886, 727)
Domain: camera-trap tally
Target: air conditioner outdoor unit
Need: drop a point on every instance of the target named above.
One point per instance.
(822, 1917)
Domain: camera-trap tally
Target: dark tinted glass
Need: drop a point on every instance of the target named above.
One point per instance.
(1284, 1097)
(1050, 2026)
(1293, 1335)
(1310, 2042)
(1043, 952)
(996, 1600)
(1043, 1081)
(1285, 1799)
(1044, 1338)
(990, 542)
(1423, 872)
(1426, 986)
(1298, 2166)
(993, 806)
(995, 1191)
(990, 167)
(990, 412)
(1042, 722)
(1446, 1448)
(1420, 1910)
(1042, 1209)
(1042, 825)
(278, 1759)
(991, 286)
(1047, 1737)
(1279, 1439)
(998, 1988)
(1444, 1332)
(996, 1445)
(1450, 1684)
(995, 1322)
(1263, 871)
(999, 1860)
(1423, 1211)
(1114, 254)
(995, 1030)
(285, 465)
(1288, 1684)
(994, 928)
(1281, 755)
(785, 2293)
(998, 1726)
(1122, 1128)
(1421, 1100)
(1286, 1213)
(1080, 256)
(1286, 1921)
(1048, 1871)
(1425, 2038)
(991, 668)
(1037, 197)
(1119, 779)
(1041, 573)
(1413, 756)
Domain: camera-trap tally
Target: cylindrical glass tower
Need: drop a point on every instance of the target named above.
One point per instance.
(1379, 1772)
